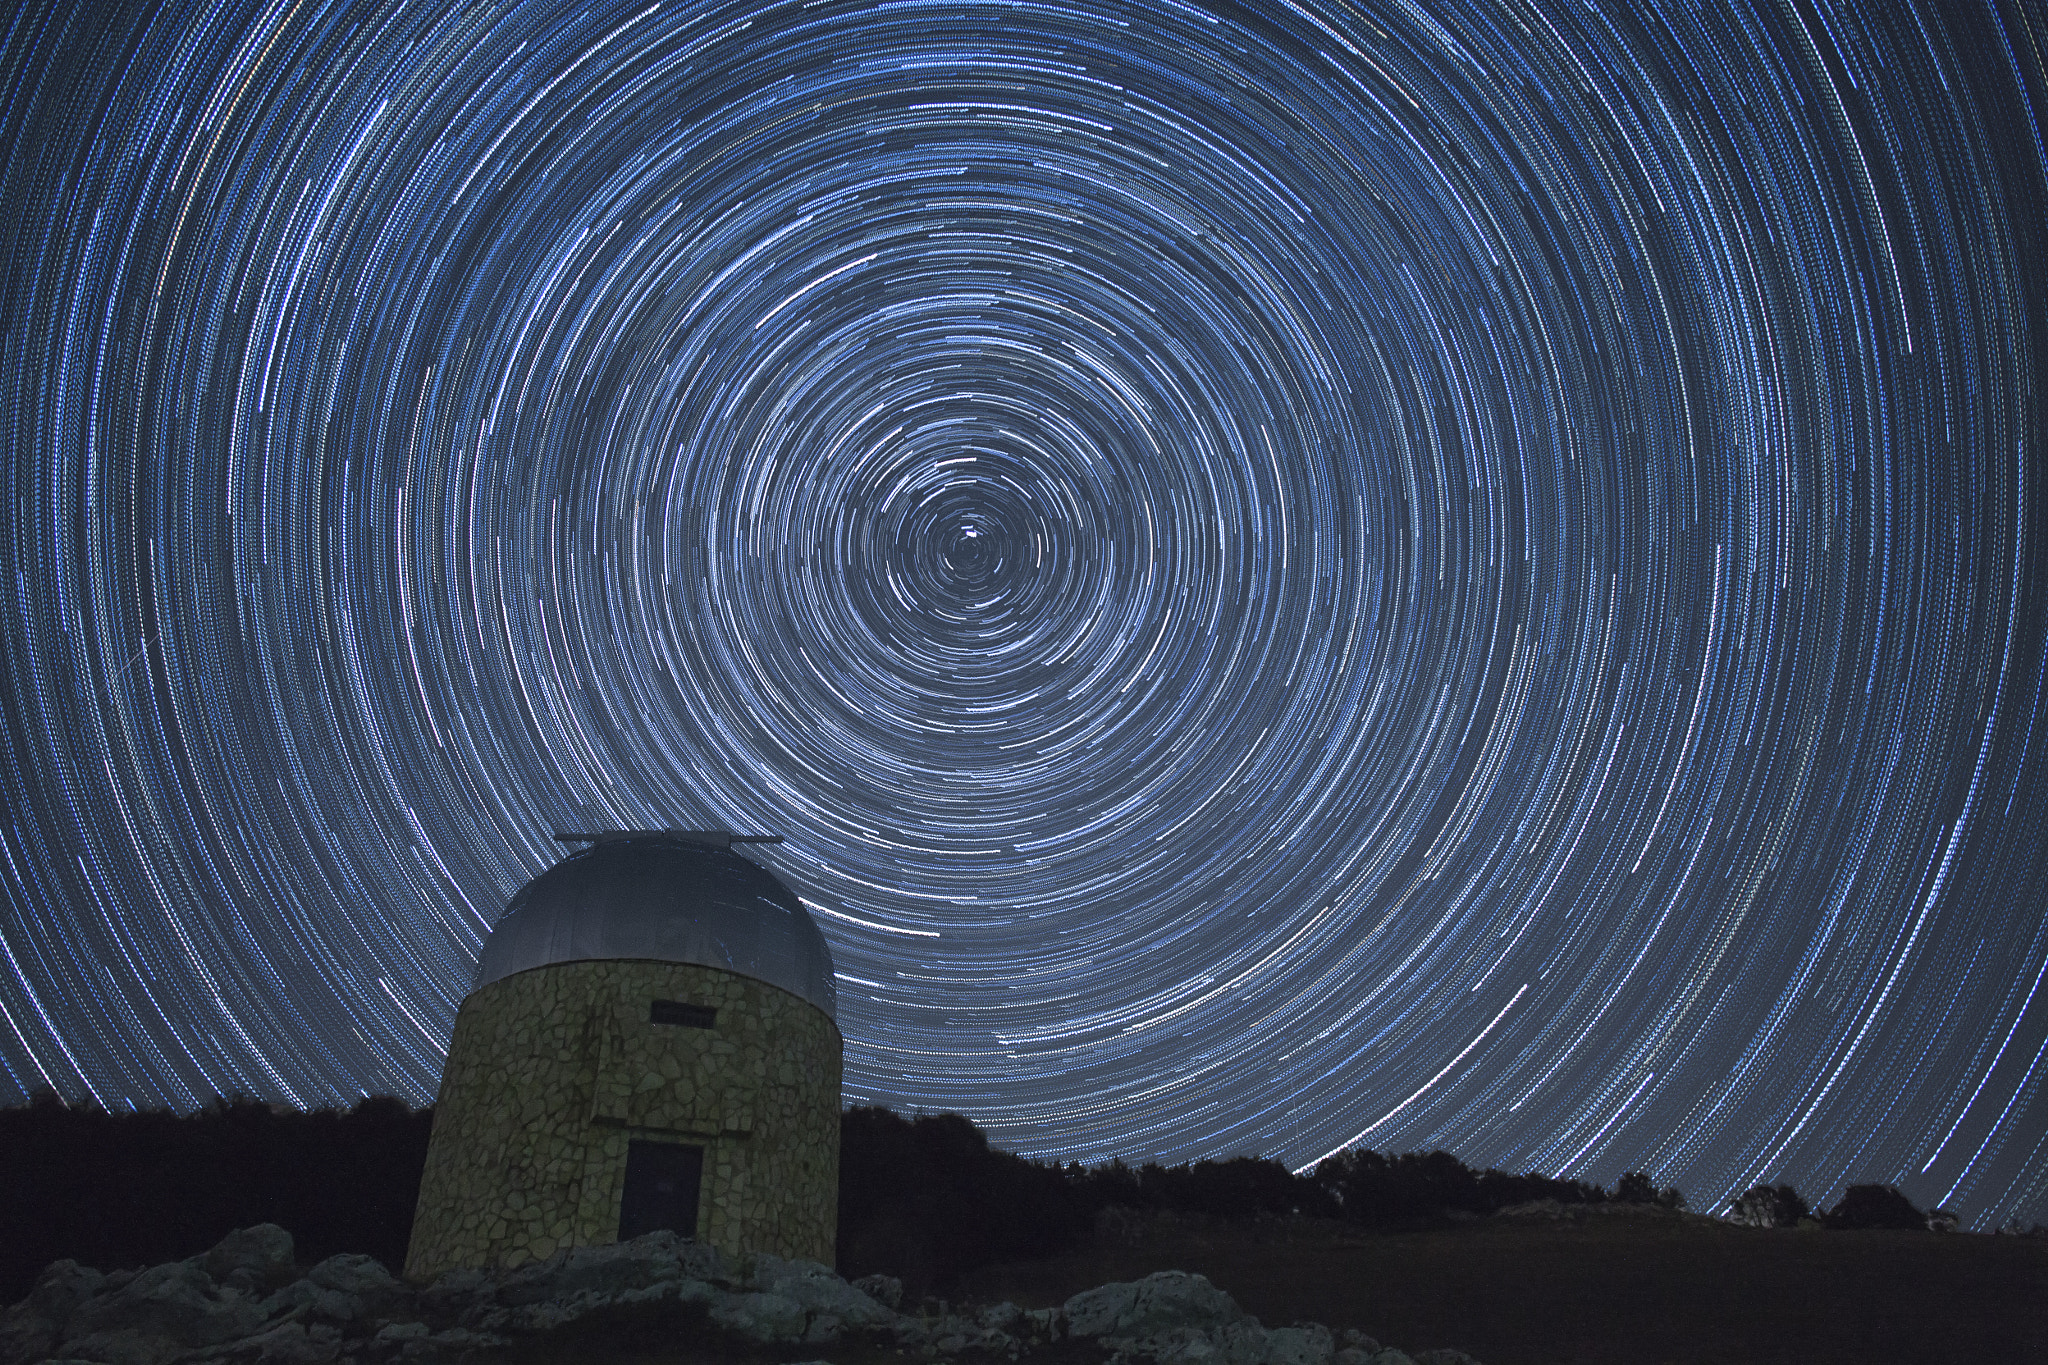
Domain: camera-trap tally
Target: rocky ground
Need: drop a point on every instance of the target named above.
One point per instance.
(246, 1302)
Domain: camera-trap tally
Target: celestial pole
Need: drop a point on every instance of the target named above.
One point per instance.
(1457, 575)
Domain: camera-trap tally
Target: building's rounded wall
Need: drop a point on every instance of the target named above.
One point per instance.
(552, 1072)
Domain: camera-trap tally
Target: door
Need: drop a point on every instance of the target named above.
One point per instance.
(661, 1189)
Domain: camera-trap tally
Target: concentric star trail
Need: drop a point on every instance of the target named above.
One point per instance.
(1428, 575)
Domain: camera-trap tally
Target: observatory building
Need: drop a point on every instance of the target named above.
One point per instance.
(650, 1044)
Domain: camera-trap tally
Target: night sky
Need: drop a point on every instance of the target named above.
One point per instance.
(1447, 575)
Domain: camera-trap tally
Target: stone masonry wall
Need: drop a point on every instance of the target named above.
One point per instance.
(553, 1071)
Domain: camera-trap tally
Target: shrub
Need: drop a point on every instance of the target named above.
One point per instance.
(1874, 1206)
(927, 1199)
(1241, 1187)
(120, 1190)
(1367, 1187)
(1634, 1188)
(1769, 1206)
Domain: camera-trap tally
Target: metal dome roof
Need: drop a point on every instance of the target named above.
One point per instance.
(666, 897)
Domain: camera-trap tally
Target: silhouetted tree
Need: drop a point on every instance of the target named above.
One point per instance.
(1498, 1190)
(1368, 1187)
(1874, 1206)
(1241, 1187)
(1769, 1206)
(1113, 1185)
(926, 1199)
(118, 1190)
(1635, 1188)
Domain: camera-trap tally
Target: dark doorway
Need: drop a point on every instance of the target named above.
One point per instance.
(661, 1189)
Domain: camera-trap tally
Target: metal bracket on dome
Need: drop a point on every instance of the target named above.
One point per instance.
(713, 838)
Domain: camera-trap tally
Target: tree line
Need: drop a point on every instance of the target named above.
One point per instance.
(925, 1198)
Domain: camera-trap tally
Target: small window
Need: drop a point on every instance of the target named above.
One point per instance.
(689, 1016)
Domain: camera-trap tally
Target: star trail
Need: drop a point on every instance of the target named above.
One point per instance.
(1421, 575)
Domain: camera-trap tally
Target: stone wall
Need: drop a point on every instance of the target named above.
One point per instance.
(552, 1072)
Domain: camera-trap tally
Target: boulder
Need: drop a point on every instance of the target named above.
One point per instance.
(32, 1328)
(453, 1343)
(822, 1295)
(342, 1289)
(61, 1287)
(304, 1300)
(552, 1313)
(761, 1316)
(1157, 1304)
(458, 1294)
(1003, 1317)
(648, 1260)
(1237, 1343)
(886, 1290)
(357, 1274)
(288, 1343)
(123, 1346)
(1305, 1343)
(350, 1310)
(252, 1258)
(177, 1302)
(1045, 1324)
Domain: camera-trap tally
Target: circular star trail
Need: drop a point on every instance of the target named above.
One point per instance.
(1457, 576)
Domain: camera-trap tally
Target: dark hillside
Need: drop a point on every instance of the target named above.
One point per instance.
(1409, 1248)
(123, 1190)
(1623, 1286)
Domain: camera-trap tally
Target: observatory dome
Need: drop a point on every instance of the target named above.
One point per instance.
(663, 898)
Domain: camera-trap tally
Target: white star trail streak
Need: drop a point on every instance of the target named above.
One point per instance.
(1453, 575)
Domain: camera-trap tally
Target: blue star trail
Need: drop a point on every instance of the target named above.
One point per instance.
(1451, 575)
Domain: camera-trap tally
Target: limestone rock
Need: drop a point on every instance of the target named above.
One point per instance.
(886, 1290)
(302, 1299)
(349, 1310)
(61, 1287)
(341, 1289)
(764, 1317)
(31, 1329)
(1045, 1324)
(458, 1294)
(1002, 1317)
(644, 1261)
(1308, 1343)
(288, 1343)
(453, 1343)
(123, 1346)
(1157, 1304)
(357, 1274)
(262, 1256)
(820, 1293)
(177, 1302)
(1236, 1343)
